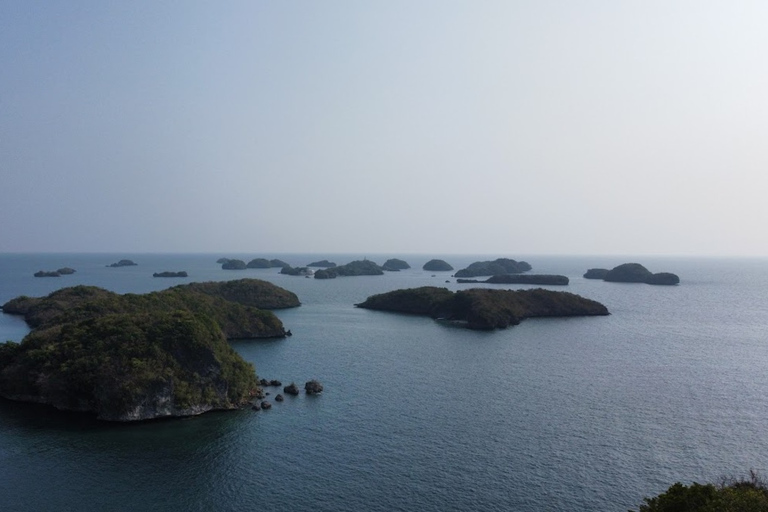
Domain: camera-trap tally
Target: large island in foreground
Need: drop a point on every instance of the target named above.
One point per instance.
(137, 357)
(483, 309)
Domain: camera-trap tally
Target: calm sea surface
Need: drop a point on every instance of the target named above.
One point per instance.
(554, 414)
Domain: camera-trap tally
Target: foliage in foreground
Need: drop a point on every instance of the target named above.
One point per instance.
(743, 495)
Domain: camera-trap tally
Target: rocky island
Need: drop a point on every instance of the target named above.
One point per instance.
(123, 263)
(182, 273)
(64, 271)
(492, 268)
(632, 273)
(395, 264)
(322, 264)
(437, 266)
(259, 263)
(354, 268)
(136, 357)
(234, 265)
(538, 279)
(483, 309)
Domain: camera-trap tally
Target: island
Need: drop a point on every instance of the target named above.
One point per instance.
(47, 273)
(496, 267)
(136, 357)
(632, 273)
(395, 265)
(278, 263)
(354, 268)
(234, 265)
(65, 271)
(123, 263)
(296, 271)
(324, 273)
(182, 273)
(538, 279)
(322, 264)
(481, 308)
(437, 266)
(259, 263)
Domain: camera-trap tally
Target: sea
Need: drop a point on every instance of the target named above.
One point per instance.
(568, 414)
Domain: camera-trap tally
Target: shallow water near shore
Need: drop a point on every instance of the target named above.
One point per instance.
(554, 414)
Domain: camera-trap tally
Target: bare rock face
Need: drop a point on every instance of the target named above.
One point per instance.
(291, 389)
(313, 387)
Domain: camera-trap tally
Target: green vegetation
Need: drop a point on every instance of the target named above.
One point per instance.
(233, 265)
(259, 263)
(167, 273)
(394, 264)
(131, 357)
(484, 309)
(743, 495)
(437, 266)
(496, 267)
(322, 264)
(634, 273)
(354, 268)
(540, 279)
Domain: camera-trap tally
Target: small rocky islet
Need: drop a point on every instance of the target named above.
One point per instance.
(181, 273)
(123, 263)
(632, 273)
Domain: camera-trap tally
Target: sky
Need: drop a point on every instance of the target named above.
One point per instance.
(437, 127)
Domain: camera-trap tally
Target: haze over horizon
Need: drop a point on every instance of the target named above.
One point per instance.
(491, 127)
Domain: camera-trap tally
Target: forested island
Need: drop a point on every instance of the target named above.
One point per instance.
(123, 263)
(538, 279)
(395, 264)
(167, 273)
(135, 357)
(437, 266)
(483, 309)
(498, 266)
(353, 268)
(632, 273)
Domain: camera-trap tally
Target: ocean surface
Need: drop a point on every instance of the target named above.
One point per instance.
(554, 414)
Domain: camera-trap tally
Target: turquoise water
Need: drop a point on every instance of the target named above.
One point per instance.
(554, 414)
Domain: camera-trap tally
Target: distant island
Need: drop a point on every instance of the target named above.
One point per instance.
(437, 266)
(632, 273)
(492, 268)
(296, 271)
(354, 268)
(322, 264)
(135, 357)
(538, 279)
(483, 309)
(395, 264)
(259, 263)
(123, 263)
(54, 273)
(170, 274)
(234, 265)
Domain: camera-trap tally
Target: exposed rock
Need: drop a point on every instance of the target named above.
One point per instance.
(259, 263)
(170, 274)
(322, 264)
(123, 263)
(437, 266)
(313, 387)
(64, 271)
(256, 406)
(266, 405)
(291, 389)
(484, 308)
(596, 273)
(279, 398)
(495, 267)
(394, 264)
(233, 265)
(275, 383)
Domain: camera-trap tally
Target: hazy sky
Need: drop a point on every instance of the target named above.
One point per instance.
(499, 127)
